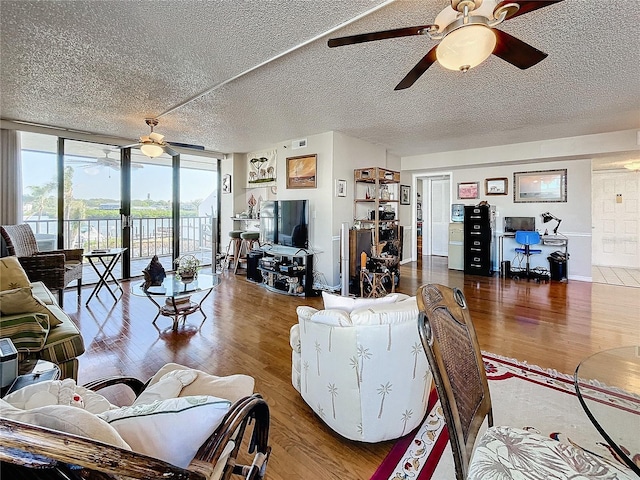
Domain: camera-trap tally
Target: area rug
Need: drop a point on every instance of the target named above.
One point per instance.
(524, 396)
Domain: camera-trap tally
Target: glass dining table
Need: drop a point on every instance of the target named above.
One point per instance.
(616, 372)
(178, 298)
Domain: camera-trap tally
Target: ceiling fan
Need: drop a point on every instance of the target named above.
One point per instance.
(93, 167)
(467, 36)
(154, 145)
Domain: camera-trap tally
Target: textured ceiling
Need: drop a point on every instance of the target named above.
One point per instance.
(103, 66)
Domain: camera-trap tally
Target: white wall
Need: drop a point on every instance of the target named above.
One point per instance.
(570, 153)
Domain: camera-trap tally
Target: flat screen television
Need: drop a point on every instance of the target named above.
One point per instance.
(285, 222)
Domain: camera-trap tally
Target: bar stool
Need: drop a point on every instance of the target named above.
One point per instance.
(235, 243)
(248, 239)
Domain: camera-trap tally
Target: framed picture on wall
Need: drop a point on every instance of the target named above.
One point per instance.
(540, 186)
(495, 186)
(468, 190)
(405, 195)
(341, 188)
(301, 171)
(226, 183)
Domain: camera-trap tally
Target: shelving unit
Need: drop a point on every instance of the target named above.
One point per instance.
(376, 220)
(287, 270)
(376, 204)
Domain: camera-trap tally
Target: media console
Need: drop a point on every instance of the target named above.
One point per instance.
(281, 269)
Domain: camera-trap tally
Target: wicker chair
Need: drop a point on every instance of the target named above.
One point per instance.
(450, 342)
(31, 452)
(56, 269)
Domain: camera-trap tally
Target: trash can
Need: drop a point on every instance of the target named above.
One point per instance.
(557, 266)
(505, 269)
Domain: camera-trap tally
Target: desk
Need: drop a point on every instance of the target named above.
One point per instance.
(96, 259)
(618, 369)
(548, 244)
(178, 301)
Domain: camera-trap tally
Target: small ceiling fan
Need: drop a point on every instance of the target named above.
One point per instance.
(467, 36)
(154, 145)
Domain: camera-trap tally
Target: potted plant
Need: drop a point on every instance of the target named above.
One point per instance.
(187, 267)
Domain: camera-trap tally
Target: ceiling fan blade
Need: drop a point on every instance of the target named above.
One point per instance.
(130, 146)
(417, 71)
(515, 51)
(369, 37)
(187, 145)
(526, 6)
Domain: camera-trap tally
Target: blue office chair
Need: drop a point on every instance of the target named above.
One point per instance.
(526, 239)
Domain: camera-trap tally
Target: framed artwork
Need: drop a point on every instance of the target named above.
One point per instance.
(405, 195)
(261, 171)
(226, 183)
(540, 186)
(496, 186)
(341, 188)
(468, 190)
(301, 171)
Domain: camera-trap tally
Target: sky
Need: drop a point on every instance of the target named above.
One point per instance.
(150, 181)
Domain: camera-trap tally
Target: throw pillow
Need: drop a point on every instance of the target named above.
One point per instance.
(65, 418)
(172, 430)
(57, 392)
(21, 300)
(399, 312)
(27, 331)
(12, 275)
(231, 387)
(337, 318)
(169, 386)
(348, 304)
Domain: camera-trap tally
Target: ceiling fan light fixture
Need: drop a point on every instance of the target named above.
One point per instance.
(151, 150)
(633, 166)
(466, 47)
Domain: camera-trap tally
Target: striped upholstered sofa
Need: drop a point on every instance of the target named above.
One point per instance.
(35, 323)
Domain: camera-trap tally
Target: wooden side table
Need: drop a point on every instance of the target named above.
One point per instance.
(31, 372)
(372, 283)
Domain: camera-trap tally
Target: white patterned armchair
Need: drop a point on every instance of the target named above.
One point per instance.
(363, 372)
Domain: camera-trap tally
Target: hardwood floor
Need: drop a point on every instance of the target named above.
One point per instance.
(553, 325)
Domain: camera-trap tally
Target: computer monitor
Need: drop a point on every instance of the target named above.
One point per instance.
(513, 224)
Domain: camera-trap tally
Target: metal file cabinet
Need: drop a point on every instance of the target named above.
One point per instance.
(478, 237)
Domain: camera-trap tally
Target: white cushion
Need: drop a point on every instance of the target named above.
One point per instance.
(338, 318)
(333, 302)
(231, 387)
(65, 418)
(398, 312)
(57, 392)
(169, 386)
(172, 430)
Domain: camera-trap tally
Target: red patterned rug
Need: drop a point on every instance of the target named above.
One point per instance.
(547, 404)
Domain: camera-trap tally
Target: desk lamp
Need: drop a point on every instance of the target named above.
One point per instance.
(547, 217)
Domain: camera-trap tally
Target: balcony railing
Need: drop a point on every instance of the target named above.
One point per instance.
(150, 236)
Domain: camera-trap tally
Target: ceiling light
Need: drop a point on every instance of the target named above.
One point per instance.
(466, 47)
(152, 150)
(633, 166)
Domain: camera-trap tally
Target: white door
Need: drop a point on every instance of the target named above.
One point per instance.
(440, 216)
(616, 219)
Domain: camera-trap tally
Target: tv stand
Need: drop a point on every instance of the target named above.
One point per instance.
(287, 270)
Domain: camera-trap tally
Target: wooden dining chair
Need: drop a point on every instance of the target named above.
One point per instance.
(450, 342)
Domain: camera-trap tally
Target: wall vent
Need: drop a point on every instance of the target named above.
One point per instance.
(299, 143)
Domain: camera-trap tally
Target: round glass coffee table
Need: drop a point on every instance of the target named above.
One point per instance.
(616, 373)
(175, 297)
